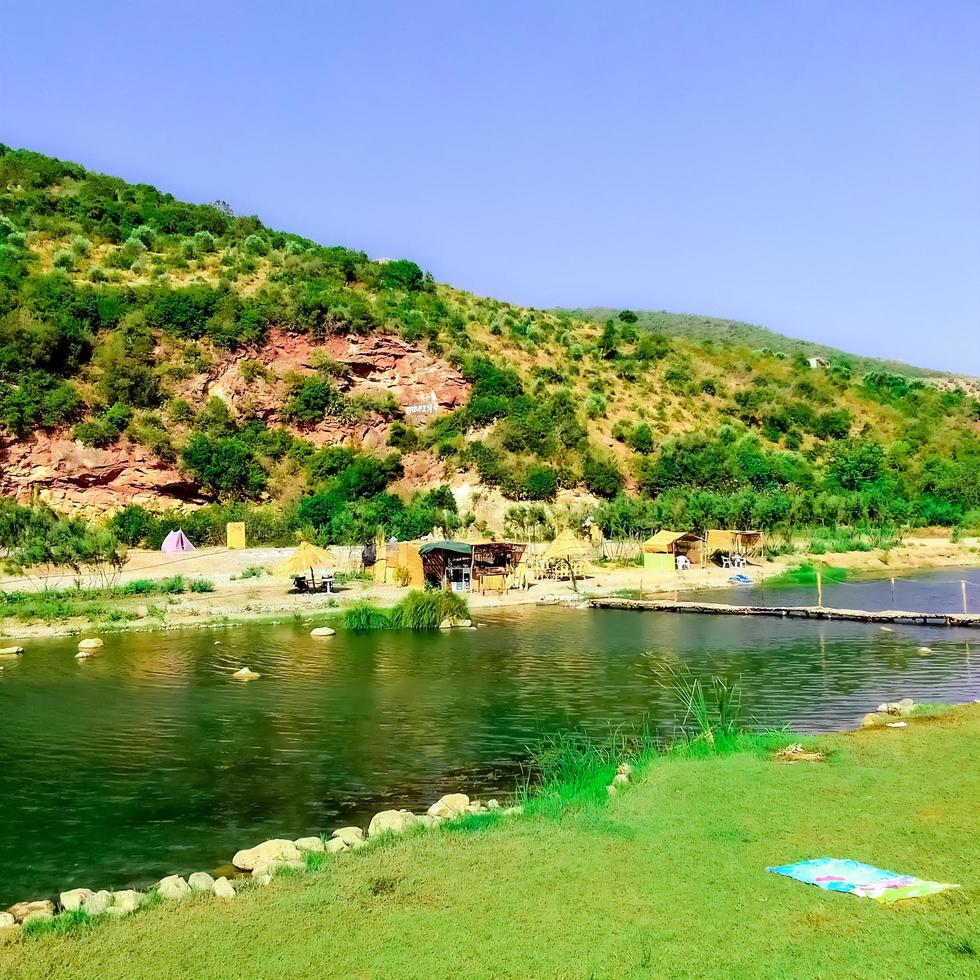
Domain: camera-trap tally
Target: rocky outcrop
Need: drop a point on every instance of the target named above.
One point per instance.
(378, 365)
(75, 478)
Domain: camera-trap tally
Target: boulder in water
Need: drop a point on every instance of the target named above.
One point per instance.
(91, 643)
(11, 651)
(245, 674)
(323, 631)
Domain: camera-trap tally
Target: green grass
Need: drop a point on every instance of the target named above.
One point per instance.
(52, 605)
(805, 573)
(426, 609)
(363, 616)
(666, 879)
(418, 610)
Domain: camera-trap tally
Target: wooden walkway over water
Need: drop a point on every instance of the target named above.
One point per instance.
(787, 612)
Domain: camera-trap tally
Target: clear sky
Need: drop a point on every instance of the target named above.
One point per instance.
(810, 166)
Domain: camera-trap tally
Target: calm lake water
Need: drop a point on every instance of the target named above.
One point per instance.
(148, 759)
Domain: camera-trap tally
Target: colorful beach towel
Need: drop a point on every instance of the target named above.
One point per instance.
(842, 875)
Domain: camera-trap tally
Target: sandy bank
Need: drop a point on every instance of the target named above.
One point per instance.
(267, 598)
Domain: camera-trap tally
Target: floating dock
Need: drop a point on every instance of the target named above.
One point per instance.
(791, 612)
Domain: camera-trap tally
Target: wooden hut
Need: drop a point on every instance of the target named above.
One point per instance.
(448, 565)
(661, 550)
(493, 564)
(728, 543)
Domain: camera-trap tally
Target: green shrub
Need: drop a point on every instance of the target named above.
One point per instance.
(360, 617)
(426, 609)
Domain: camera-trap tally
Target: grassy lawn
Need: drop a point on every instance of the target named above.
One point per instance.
(667, 880)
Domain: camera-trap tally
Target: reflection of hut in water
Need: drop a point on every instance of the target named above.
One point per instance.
(661, 550)
(747, 543)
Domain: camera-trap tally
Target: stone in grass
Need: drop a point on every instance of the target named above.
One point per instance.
(323, 631)
(314, 844)
(335, 845)
(262, 880)
(22, 910)
(39, 914)
(624, 769)
(173, 888)
(7, 920)
(392, 822)
(274, 867)
(611, 790)
(869, 721)
(98, 902)
(349, 835)
(276, 849)
(74, 898)
(223, 888)
(620, 779)
(449, 806)
(200, 881)
(125, 902)
(513, 811)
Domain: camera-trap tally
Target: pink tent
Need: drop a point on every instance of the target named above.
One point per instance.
(176, 541)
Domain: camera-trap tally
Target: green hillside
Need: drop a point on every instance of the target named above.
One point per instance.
(114, 297)
(735, 333)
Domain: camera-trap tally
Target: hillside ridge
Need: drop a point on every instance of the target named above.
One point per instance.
(213, 360)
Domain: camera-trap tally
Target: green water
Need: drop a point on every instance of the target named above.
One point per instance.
(147, 759)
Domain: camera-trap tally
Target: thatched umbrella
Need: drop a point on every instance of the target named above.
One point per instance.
(306, 556)
(565, 548)
(567, 545)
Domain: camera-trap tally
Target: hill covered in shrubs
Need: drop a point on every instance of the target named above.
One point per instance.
(116, 299)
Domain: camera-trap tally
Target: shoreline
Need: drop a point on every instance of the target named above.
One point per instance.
(265, 600)
(549, 814)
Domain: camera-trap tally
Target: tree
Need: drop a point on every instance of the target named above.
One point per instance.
(541, 483)
(601, 477)
(225, 466)
(628, 316)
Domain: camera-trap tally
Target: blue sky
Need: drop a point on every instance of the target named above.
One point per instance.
(811, 166)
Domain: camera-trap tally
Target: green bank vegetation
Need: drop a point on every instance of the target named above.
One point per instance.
(419, 609)
(50, 605)
(665, 879)
(114, 295)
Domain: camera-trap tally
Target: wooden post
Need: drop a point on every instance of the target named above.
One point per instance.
(893, 592)
(819, 592)
(963, 590)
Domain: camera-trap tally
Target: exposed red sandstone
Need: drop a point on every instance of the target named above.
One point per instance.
(76, 478)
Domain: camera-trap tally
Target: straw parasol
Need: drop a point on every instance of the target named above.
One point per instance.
(567, 545)
(306, 556)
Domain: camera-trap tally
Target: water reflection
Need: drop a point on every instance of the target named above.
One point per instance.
(147, 759)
